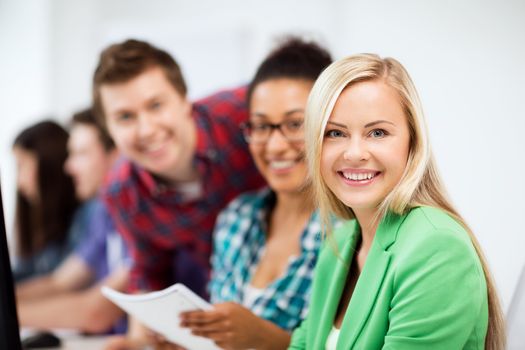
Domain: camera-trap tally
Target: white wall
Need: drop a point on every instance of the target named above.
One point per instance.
(466, 58)
(25, 78)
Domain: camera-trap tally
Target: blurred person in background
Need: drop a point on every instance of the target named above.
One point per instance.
(99, 259)
(266, 242)
(184, 162)
(45, 203)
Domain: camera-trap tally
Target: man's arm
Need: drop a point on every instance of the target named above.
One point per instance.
(72, 274)
(137, 337)
(86, 310)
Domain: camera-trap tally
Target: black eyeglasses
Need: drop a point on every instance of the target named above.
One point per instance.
(258, 132)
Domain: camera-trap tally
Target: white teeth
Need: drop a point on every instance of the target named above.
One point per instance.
(358, 176)
(153, 147)
(281, 164)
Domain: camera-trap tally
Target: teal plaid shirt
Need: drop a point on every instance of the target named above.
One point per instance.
(239, 242)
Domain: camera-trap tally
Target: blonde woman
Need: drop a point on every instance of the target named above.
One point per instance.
(405, 272)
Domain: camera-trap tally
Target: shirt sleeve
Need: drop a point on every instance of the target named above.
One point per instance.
(428, 310)
(22, 269)
(221, 236)
(227, 103)
(92, 249)
(40, 263)
(150, 266)
(226, 110)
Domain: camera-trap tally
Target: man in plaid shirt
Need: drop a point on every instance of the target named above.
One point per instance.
(183, 163)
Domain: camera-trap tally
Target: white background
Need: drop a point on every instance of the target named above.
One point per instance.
(467, 58)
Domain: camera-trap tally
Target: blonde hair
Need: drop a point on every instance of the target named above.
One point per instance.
(420, 183)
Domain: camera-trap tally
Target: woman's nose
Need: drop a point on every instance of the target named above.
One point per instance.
(356, 150)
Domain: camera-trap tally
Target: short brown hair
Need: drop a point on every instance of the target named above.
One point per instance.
(87, 117)
(124, 61)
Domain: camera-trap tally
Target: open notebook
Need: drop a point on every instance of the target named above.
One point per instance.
(160, 311)
(9, 331)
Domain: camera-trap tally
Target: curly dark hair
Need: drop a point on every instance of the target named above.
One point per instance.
(293, 58)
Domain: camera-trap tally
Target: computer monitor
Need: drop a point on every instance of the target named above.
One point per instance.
(9, 331)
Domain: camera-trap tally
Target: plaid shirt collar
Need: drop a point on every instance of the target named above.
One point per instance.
(262, 208)
(239, 242)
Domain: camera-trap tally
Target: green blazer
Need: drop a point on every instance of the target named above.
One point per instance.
(422, 287)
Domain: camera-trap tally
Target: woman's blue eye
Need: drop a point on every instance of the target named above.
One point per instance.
(334, 133)
(378, 133)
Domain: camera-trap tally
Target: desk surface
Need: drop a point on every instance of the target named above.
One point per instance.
(72, 340)
(82, 343)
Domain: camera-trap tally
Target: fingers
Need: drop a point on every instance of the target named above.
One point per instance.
(192, 314)
(116, 343)
(210, 324)
(225, 325)
(199, 318)
(224, 338)
(168, 346)
(155, 341)
(123, 343)
(214, 327)
(159, 342)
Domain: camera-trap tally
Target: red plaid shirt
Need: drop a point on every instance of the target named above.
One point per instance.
(169, 237)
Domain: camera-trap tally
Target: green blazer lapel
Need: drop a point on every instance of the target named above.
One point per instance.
(369, 282)
(335, 280)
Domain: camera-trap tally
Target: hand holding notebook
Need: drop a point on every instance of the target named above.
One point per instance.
(160, 312)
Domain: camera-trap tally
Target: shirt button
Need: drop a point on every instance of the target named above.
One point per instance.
(159, 189)
(212, 154)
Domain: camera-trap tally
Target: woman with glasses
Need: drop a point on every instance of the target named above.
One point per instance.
(266, 243)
